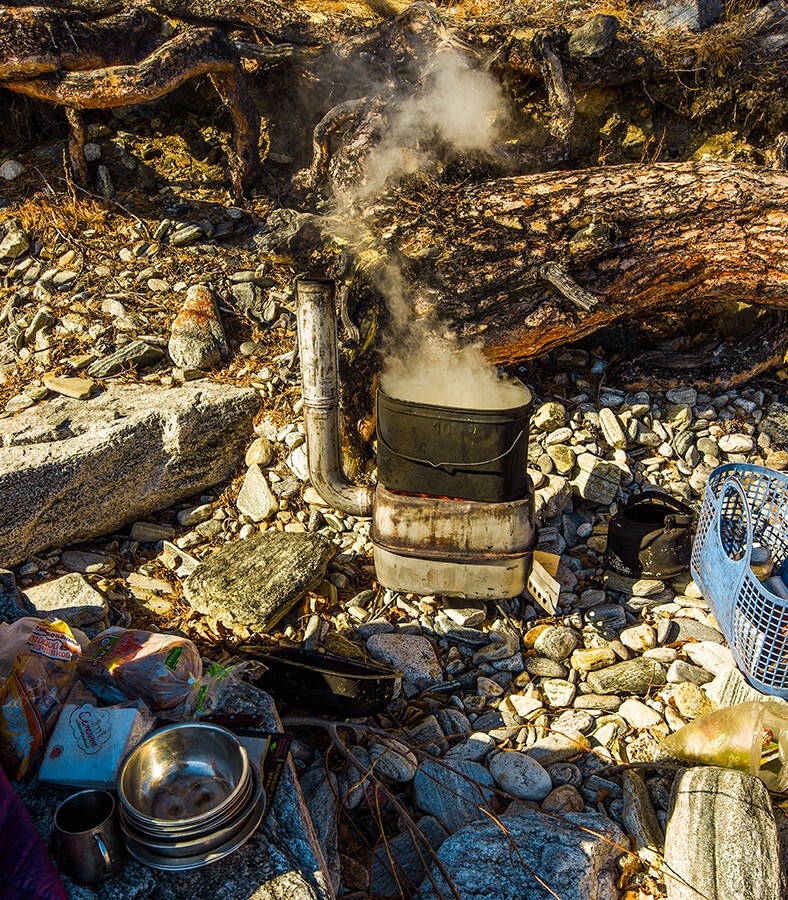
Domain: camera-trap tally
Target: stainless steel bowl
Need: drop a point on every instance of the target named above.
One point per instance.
(203, 843)
(183, 776)
(177, 831)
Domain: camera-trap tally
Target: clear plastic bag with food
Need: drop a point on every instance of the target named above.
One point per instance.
(751, 737)
(37, 670)
(163, 670)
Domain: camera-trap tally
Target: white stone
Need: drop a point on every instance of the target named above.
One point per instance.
(524, 705)
(297, 463)
(736, 443)
(639, 637)
(557, 692)
(520, 776)
(612, 430)
(11, 169)
(638, 715)
(710, 656)
(256, 499)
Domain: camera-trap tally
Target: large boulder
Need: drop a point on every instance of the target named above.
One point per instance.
(721, 837)
(573, 856)
(76, 469)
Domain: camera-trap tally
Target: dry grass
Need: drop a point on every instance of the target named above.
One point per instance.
(47, 213)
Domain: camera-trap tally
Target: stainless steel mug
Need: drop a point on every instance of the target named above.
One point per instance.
(89, 832)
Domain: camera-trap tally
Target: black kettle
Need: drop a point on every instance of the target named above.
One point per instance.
(650, 537)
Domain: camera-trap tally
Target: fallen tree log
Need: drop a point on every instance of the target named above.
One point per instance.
(531, 263)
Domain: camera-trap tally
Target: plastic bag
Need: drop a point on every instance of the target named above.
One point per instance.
(751, 737)
(37, 668)
(163, 670)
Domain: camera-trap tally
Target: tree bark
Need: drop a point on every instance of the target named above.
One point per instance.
(642, 240)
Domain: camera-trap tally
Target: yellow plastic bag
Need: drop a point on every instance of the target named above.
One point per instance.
(37, 670)
(751, 737)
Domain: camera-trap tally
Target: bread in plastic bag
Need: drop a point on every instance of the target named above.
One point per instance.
(37, 670)
(163, 670)
(751, 737)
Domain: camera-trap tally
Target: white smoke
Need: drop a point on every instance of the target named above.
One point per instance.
(458, 109)
(424, 364)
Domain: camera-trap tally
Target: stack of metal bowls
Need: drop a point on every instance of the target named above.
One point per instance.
(188, 797)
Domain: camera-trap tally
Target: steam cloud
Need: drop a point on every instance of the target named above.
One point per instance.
(458, 109)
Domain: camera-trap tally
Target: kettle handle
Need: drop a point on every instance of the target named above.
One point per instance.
(650, 494)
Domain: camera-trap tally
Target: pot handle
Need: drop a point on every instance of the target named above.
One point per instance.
(650, 494)
(449, 466)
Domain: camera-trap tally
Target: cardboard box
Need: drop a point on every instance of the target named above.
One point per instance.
(88, 744)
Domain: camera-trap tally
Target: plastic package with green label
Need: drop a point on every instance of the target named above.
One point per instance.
(751, 737)
(163, 670)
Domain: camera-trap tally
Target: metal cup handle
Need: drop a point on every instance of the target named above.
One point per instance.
(103, 851)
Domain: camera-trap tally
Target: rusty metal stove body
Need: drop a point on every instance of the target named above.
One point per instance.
(423, 543)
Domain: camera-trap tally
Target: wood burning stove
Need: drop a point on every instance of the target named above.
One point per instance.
(453, 510)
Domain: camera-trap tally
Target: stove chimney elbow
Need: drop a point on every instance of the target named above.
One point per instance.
(317, 345)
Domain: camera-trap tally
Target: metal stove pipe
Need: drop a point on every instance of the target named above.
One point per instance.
(317, 345)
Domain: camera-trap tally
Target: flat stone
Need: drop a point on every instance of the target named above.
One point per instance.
(680, 629)
(558, 692)
(456, 794)
(393, 760)
(546, 668)
(520, 775)
(710, 656)
(680, 671)
(468, 613)
(151, 532)
(197, 339)
(78, 388)
(256, 499)
(730, 687)
(497, 651)
(736, 443)
(257, 581)
(476, 748)
(611, 429)
(557, 747)
(136, 355)
(565, 798)
(193, 515)
(411, 654)
(454, 632)
(574, 854)
(604, 702)
(633, 676)
(74, 470)
(637, 587)
(592, 659)
(71, 598)
(88, 563)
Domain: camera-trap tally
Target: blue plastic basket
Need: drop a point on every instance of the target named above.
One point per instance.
(743, 505)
